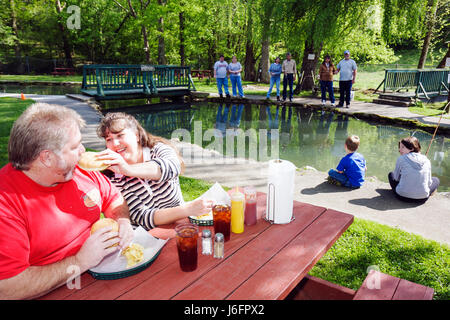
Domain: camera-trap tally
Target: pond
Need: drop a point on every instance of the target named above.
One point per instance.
(304, 136)
(40, 89)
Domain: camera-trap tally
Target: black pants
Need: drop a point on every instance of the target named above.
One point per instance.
(288, 78)
(345, 89)
(434, 185)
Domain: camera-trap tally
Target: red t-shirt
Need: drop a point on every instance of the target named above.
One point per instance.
(42, 225)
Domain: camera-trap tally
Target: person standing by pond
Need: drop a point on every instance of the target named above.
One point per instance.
(347, 77)
(221, 75)
(411, 180)
(145, 168)
(289, 69)
(275, 75)
(235, 70)
(326, 72)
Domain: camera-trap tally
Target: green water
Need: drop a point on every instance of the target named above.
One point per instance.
(305, 137)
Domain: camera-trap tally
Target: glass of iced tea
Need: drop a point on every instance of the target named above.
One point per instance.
(187, 236)
(222, 220)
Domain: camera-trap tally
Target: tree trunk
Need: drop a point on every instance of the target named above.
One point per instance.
(447, 55)
(20, 68)
(431, 17)
(161, 41)
(250, 60)
(66, 44)
(146, 45)
(265, 63)
(308, 67)
(182, 53)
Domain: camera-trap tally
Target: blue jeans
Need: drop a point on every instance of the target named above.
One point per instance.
(345, 89)
(288, 79)
(236, 82)
(222, 82)
(274, 80)
(327, 86)
(341, 177)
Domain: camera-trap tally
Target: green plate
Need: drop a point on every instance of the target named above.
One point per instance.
(124, 273)
(201, 222)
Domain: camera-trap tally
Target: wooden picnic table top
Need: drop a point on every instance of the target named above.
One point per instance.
(265, 262)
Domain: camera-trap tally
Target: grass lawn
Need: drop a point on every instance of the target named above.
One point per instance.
(44, 77)
(10, 110)
(430, 109)
(364, 244)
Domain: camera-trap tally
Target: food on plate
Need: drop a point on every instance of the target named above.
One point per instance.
(206, 216)
(89, 162)
(134, 254)
(105, 222)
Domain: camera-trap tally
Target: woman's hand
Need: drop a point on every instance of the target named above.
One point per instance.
(115, 161)
(198, 207)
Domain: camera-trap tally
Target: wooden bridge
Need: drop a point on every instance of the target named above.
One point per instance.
(425, 83)
(108, 82)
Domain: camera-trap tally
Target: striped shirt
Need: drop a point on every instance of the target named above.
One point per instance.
(144, 197)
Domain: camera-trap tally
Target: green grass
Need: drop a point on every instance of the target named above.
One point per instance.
(10, 110)
(430, 109)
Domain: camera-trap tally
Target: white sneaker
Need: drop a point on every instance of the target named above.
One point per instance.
(323, 103)
(333, 105)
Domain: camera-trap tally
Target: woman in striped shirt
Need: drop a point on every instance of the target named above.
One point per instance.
(145, 168)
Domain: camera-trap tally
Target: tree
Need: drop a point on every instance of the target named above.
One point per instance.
(431, 18)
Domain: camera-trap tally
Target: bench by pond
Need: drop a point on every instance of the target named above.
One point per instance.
(106, 82)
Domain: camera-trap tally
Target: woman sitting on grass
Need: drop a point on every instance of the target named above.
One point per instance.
(145, 168)
(411, 180)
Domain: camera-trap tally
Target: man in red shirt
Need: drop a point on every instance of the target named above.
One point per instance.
(48, 205)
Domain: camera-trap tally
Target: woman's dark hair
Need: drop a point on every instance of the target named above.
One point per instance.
(325, 58)
(411, 143)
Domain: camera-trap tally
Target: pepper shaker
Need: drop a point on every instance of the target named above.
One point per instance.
(218, 246)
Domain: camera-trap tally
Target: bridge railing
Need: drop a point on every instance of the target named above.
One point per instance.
(135, 78)
(424, 82)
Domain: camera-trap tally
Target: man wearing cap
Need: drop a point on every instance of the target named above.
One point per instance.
(347, 69)
(289, 69)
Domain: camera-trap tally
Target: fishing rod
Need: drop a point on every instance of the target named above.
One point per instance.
(435, 130)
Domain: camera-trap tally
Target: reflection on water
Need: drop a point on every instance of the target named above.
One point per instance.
(303, 136)
(40, 89)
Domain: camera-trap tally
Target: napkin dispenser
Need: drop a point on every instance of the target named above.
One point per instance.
(280, 192)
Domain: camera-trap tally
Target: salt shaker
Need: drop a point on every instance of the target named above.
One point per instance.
(218, 245)
(206, 242)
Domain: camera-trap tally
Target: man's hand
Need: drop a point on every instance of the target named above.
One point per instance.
(96, 247)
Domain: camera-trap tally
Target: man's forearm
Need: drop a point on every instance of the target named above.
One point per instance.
(36, 281)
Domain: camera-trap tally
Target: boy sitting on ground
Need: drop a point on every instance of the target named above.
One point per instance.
(351, 169)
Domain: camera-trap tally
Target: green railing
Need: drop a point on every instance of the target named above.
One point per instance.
(424, 82)
(145, 79)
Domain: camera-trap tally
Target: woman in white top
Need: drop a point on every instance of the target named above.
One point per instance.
(145, 168)
(411, 180)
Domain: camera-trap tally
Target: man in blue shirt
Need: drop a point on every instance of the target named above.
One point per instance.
(347, 69)
(351, 170)
(221, 75)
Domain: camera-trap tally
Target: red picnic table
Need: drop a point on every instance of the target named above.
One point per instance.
(265, 262)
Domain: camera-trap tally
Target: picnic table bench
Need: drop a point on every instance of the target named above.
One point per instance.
(63, 71)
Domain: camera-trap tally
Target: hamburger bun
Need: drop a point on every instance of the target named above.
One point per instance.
(89, 162)
(105, 222)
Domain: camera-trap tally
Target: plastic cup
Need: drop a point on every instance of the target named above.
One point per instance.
(187, 236)
(222, 220)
